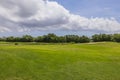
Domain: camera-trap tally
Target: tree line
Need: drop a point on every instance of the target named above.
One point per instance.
(53, 38)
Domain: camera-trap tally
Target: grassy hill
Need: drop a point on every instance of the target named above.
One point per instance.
(29, 61)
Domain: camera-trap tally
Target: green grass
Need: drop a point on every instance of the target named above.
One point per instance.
(29, 61)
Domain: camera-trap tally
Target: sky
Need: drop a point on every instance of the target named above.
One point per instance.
(93, 8)
(39, 17)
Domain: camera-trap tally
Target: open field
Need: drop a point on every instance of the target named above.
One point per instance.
(29, 61)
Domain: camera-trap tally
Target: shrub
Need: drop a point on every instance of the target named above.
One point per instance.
(16, 43)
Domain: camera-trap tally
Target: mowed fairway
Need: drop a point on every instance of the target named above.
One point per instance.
(99, 61)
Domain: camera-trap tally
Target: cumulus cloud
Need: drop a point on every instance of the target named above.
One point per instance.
(22, 15)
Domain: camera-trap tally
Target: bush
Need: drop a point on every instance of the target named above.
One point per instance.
(116, 37)
(16, 43)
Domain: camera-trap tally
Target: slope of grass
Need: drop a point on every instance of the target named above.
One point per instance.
(97, 61)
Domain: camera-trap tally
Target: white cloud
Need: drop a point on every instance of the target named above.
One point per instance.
(22, 15)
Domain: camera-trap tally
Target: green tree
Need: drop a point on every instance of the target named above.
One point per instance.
(84, 39)
(101, 37)
(72, 38)
(116, 37)
(51, 37)
(27, 38)
(39, 39)
(61, 39)
(10, 39)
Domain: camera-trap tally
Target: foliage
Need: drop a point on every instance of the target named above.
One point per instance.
(101, 37)
(116, 37)
(53, 38)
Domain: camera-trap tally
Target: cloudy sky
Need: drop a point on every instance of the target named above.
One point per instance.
(38, 17)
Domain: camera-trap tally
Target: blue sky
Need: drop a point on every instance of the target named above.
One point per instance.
(93, 8)
(37, 17)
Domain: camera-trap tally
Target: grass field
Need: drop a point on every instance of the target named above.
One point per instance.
(29, 61)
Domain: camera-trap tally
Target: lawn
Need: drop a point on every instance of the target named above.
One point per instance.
(32, 61)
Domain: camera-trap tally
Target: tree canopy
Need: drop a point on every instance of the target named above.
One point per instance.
(53, 38)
